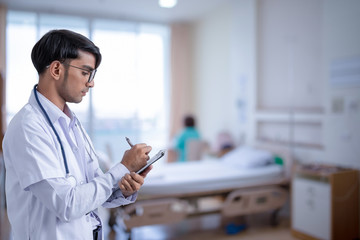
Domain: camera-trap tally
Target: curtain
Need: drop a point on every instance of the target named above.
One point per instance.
(181, 82)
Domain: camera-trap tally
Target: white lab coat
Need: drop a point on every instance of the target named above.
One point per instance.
(42, 203)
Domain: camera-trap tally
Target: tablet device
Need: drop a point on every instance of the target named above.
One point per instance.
(159, 155)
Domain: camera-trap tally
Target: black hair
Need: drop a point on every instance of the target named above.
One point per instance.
(61, 45)
(189, 121)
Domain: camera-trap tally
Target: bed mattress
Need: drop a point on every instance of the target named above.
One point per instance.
(206, 176)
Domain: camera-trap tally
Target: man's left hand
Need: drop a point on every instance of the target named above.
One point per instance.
(132, 182)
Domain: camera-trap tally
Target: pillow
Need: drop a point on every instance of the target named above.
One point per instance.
(248, 157)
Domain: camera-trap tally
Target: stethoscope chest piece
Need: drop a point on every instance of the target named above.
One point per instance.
(72, 180)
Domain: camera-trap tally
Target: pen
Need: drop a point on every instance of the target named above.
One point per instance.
(129, 142)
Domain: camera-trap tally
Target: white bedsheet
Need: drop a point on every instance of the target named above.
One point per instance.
(204, 176)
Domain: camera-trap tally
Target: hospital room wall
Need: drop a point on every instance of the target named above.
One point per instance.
(226, 76)
(341, 45)
(224, 70)
(342, 103)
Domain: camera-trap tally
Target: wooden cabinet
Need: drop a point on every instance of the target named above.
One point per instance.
(325, 203)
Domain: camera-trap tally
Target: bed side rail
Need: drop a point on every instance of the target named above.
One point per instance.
(242, 202)
(150, 212)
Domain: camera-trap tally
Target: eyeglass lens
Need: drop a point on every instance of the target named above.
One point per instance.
(92, 75)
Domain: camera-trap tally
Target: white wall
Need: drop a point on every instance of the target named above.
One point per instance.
(290, 98)
(342, 42)
(224, 50)
(226, 72)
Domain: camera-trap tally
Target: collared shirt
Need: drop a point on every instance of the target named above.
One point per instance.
(41, 202)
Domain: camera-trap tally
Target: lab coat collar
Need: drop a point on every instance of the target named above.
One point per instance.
(51, 109)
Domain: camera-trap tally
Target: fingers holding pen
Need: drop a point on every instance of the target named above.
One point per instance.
(136, 157)
(141, 150)
(144, 148)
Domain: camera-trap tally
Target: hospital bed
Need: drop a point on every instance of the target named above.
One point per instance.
(244, 181)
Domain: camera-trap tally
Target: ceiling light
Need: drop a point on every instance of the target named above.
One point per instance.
(167, 3)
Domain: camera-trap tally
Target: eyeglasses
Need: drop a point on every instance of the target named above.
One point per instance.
(88, 71)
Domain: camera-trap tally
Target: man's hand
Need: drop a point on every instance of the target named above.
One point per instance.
(136, 157)
(132, 182)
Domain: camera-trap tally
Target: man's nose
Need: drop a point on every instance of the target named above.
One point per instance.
(90, 84)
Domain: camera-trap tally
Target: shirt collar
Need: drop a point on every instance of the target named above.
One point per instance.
(52, 110)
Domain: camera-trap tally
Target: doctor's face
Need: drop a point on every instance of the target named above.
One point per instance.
(76, 78)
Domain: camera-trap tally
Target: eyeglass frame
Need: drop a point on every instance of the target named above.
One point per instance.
(92, 72)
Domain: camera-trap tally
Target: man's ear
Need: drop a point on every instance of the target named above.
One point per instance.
(55, 69)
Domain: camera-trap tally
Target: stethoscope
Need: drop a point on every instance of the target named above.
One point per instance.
(69, 176)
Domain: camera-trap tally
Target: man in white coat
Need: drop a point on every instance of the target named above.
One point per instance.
(53, 181)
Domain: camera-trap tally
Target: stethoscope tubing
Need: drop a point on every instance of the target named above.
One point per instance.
(53, 128)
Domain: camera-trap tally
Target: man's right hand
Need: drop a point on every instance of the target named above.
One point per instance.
(136, 157)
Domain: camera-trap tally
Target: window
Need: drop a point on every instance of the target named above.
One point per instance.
(19, 68)
(129, 96)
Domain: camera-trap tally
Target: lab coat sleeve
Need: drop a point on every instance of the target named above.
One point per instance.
(69, 202)
(117, 198)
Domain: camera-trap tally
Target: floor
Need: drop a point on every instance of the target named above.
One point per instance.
(210, 227)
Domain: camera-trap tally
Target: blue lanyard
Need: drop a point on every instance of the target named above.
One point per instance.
(53, 128)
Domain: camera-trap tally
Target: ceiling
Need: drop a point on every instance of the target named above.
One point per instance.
(138, 10)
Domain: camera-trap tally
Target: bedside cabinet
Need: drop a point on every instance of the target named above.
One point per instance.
(325, 203)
